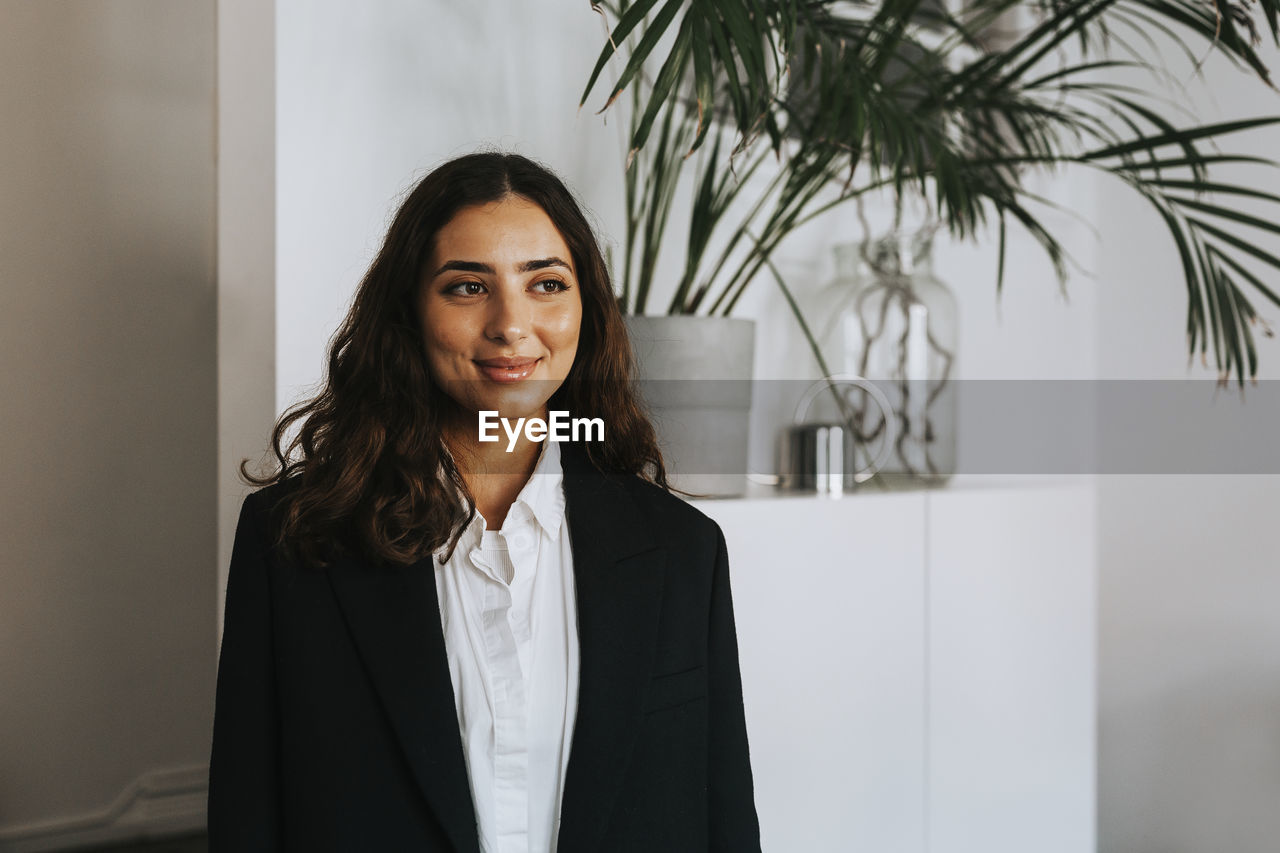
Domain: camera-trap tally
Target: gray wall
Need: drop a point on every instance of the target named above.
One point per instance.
(1189, 572)
(107, 340)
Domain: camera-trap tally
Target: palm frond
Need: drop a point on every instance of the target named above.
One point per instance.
(907, 98)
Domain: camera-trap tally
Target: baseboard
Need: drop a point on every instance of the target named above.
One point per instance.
(156, 804)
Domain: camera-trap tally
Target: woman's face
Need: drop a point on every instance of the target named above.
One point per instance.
(500, 308)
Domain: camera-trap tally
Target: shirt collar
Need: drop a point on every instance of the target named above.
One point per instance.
(542, 497)
(543, 494)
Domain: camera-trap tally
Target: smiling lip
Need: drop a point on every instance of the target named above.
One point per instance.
(507, 369)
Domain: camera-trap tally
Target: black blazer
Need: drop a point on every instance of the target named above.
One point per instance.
(335, 727)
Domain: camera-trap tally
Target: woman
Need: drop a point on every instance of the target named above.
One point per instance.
(438, 643)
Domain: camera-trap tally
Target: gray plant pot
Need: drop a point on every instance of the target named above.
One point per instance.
(695, 378)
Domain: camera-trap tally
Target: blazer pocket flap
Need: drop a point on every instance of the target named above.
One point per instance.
(669, 690)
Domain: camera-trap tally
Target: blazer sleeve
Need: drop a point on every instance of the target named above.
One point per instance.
(734, 826)
(243, 769)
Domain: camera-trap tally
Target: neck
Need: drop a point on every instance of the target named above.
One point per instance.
(493, 473)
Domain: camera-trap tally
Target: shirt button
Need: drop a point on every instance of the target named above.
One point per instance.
(521, 541)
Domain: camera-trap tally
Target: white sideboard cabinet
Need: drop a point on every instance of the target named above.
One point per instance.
(918, 667)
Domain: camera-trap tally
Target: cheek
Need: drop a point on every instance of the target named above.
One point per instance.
(564, 328)
(445, 338)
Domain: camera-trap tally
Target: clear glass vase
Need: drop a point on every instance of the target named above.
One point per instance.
(886, 317)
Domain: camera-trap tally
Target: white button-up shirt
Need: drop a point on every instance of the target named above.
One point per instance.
(509, 614)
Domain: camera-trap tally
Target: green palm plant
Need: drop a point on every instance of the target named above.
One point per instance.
(906, 97)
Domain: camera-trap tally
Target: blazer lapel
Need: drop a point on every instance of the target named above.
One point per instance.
(618, 571)
(394, 616)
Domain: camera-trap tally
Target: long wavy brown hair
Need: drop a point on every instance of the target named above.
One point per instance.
(367, 471)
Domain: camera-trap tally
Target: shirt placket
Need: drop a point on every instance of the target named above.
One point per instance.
(511, 755)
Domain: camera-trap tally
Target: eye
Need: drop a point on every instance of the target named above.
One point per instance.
(551, 285)
(466, 288)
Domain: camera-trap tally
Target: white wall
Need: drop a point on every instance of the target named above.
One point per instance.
(1189, 666)
(107, 338)
(371, 96)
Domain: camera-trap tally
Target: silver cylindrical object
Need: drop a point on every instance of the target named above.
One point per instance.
(824, 457)
(818, 458)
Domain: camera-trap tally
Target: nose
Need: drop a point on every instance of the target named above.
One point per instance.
(510, 317)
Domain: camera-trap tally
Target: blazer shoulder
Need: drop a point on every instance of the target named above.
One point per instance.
(271, 494)
(672, 513)
(262, 503)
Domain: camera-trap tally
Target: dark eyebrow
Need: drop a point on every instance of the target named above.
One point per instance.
(465, 266)
(476, 266)
(530, 266)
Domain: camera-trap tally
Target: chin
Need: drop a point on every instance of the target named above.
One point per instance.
(525, 401)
